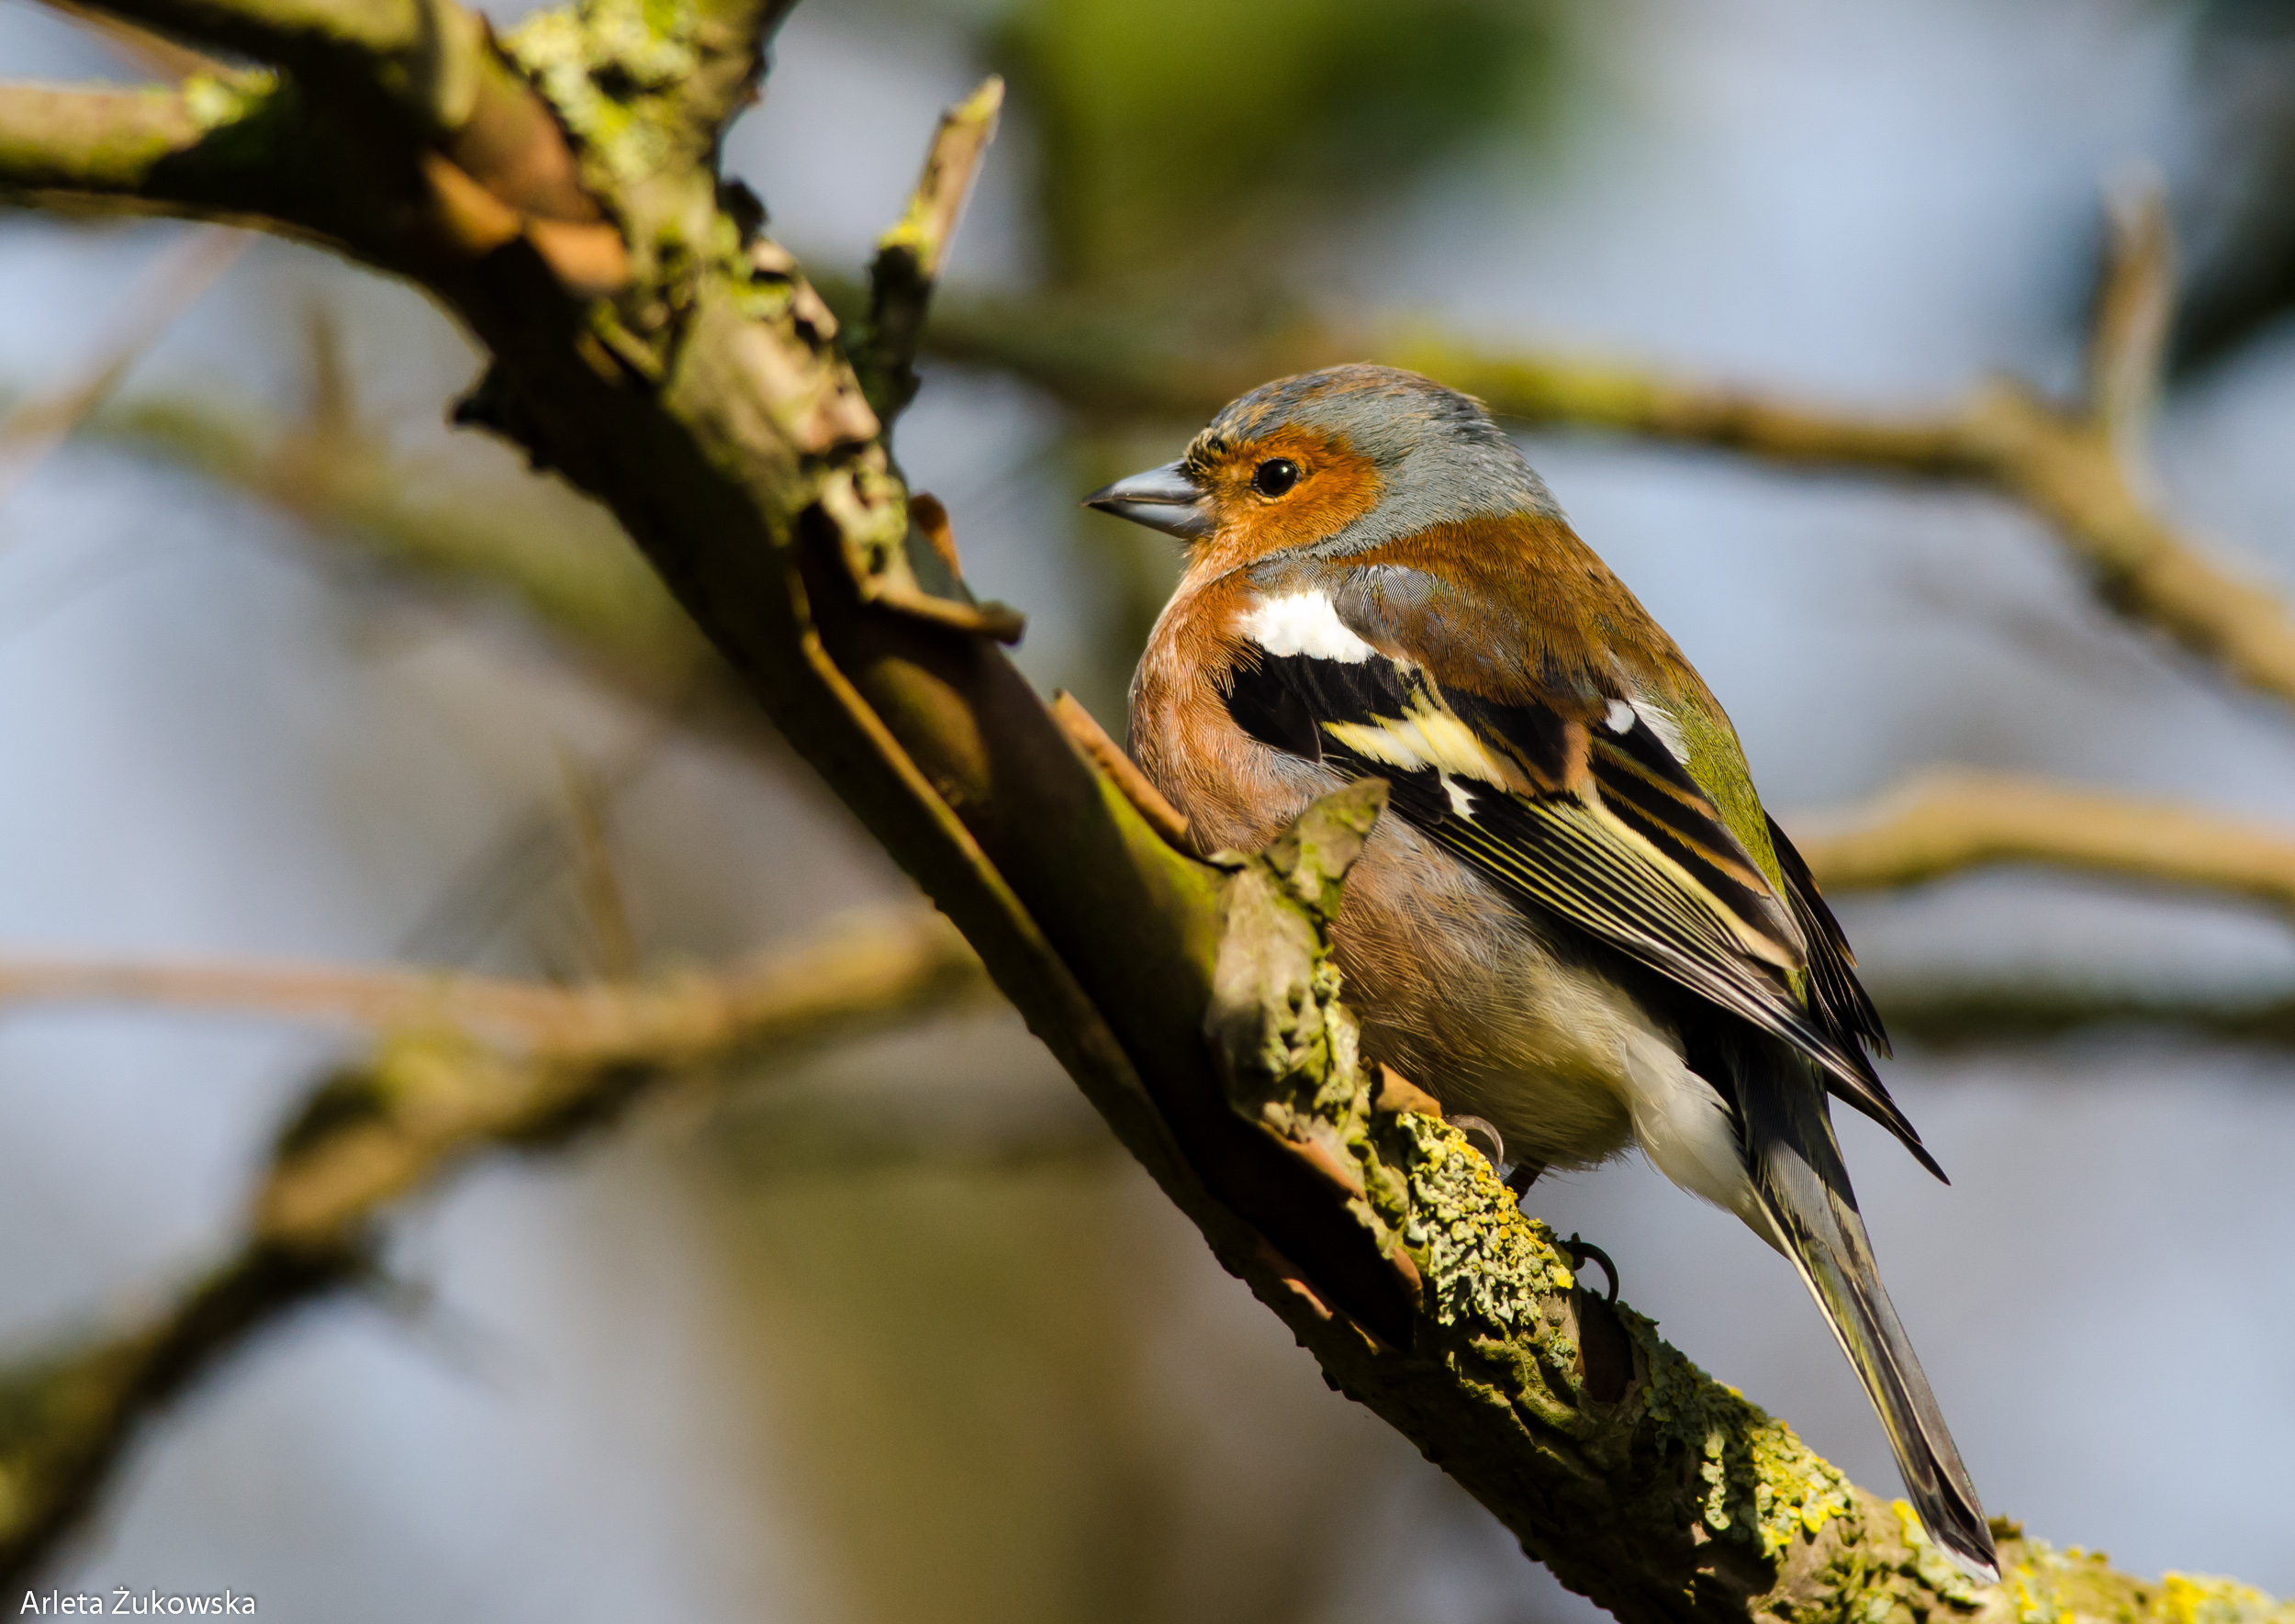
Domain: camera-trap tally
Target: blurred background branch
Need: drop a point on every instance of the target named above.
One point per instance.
(36, 425)
(1945, 823)
(2078, 465)
(559, 561)
(465, 1065)
(138, 47)
(1169, 160)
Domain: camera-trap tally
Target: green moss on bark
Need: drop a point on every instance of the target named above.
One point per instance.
(611, 69)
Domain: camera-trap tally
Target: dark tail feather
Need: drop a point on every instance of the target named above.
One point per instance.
(1805, 1188)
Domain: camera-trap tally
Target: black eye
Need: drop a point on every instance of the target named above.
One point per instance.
(1274, 477)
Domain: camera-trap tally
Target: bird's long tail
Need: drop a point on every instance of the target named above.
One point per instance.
(1804, 1188)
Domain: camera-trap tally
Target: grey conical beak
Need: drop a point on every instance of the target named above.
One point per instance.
(1162, 499)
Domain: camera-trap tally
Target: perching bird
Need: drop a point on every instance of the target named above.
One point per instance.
(1575, 920)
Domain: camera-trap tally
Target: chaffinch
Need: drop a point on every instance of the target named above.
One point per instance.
(1575, 919)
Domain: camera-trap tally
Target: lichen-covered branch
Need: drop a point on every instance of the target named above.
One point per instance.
(699, 393)
(1942, 824)
(1631, 1474)
(467, 1066)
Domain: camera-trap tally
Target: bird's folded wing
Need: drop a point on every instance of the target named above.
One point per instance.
(1592, 822)
(1836, 996)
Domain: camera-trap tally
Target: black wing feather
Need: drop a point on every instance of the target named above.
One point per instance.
(1554, 854)
(1641, 782)
(1838, 996)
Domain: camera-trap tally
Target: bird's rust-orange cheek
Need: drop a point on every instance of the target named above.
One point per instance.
(1338, 487)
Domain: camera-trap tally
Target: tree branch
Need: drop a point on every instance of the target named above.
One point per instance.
(427, 58)
(440, 1088)
(910, 256)
(700, 399)
(1962, 1017)
(222, 149)
(401, 136)
(2076, 467)
(1944, 822)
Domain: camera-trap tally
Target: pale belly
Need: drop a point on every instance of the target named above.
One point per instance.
(1455, 988)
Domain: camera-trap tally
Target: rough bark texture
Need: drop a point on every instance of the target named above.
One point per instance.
(560, 197)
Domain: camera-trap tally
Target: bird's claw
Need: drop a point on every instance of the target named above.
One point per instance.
(1487, 1140)
(1516, 1176)
(1580, 1250)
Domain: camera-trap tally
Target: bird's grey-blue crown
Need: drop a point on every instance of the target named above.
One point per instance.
(1438, 454)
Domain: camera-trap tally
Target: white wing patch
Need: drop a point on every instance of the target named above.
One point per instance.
(1619, 719)
(1661, 723)
(1305, 623)
(1461, 801)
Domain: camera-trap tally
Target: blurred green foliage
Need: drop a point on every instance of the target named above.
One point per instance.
(1174, 132)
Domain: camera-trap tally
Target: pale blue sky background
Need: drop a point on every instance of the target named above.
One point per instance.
(214, 746)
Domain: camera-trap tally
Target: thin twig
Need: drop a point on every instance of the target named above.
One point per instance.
(910, 256)
(2136, 307)
(605, 908)
(183, 270)
(681, 1014)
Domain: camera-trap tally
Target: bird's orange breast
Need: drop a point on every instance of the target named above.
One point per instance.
(1235, 791)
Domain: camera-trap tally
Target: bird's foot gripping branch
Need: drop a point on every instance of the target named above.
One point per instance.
(560, 196)
(1637, 1477)
(1605, 1451)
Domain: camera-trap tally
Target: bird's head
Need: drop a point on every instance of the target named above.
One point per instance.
(1337, 461)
